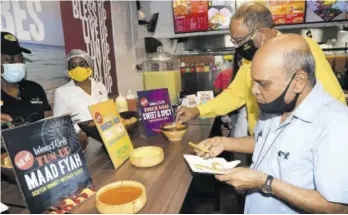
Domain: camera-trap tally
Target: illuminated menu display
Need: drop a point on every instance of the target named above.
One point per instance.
(287, 12)
(326, 11)
(190, 16)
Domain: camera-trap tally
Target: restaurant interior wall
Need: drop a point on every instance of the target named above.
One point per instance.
(125, 31)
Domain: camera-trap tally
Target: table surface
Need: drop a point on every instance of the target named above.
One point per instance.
(166, 184)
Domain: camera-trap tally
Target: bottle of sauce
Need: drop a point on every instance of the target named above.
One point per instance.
(121, 104)
(131, 101)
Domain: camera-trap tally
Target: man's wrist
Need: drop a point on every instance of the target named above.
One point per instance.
(197, 112)
(261, 180)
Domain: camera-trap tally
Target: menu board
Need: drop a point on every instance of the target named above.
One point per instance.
(219, 14)
(112, 131)
(287, 12)
(326, 11)
(190, 16)
(195, 16)
(49, 165)
(155, 109)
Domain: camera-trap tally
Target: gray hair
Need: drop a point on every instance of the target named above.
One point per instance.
(255, 16)
(78, 53)
(299, 60)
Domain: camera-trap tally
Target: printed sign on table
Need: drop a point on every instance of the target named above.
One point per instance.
(49, 165)
(112, 131)
(155, 109)
(204, 96)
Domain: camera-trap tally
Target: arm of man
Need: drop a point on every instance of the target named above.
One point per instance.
(309, 200)
(230, 99)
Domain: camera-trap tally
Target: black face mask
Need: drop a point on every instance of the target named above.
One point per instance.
(278, 106)
(247, 50)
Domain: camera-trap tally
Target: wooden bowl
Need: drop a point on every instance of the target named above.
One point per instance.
(132, 127)
(130, 198)
(147, 156)
(172, 133)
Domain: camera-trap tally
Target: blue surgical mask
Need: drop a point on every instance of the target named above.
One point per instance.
(13, 73)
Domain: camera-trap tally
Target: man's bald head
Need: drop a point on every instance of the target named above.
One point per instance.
(289, 53)
(254, 15)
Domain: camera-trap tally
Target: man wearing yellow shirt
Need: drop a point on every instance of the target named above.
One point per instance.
(250, 27)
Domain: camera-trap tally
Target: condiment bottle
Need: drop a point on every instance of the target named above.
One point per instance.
(131, 101)
(121, 104)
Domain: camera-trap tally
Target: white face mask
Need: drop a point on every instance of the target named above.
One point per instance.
(13, 73)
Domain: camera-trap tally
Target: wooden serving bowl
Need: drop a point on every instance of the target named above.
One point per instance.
(131, 207)
(174, 134)
(147, 156)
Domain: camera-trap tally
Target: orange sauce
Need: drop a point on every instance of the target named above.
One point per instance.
(120, 195)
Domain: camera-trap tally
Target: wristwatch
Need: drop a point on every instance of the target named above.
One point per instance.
(266, 187)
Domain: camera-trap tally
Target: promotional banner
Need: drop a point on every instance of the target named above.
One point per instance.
(112, 131)
(38, 27)
(49, 164)
(156, 109)
(87, 25)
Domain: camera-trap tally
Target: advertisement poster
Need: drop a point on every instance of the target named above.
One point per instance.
(38, 27)
(287, 12)
(326, 11)
(112, 131)
(155, 109)
(49, 164)
(87, 25)
(190, 16)
(219, 14)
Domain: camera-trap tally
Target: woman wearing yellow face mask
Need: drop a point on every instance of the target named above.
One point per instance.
(82, 91)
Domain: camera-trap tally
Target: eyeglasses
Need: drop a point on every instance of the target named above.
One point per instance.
(238, 42)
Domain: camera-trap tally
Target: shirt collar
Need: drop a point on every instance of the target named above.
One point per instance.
(307, 110)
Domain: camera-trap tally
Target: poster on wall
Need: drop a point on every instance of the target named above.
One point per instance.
(87, 25)
(49, 165)
(155, 109)
(38, 27)
(326, 11)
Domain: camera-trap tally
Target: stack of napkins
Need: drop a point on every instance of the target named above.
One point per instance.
(215, 166)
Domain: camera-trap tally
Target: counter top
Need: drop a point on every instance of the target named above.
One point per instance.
(166, 184)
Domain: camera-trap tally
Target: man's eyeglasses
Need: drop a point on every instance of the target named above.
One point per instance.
(238, 42)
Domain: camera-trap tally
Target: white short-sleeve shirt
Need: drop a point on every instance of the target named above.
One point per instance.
(72, 99)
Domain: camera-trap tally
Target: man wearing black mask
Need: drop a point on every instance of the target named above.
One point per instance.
(299, 148)
(252, 26)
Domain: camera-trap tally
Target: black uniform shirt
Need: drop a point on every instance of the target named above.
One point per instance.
(30, 105)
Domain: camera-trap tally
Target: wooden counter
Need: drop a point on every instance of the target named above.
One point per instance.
(166, 184)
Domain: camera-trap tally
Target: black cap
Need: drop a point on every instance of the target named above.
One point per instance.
(10, 45)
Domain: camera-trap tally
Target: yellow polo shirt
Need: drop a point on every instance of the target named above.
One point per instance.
(238, 92)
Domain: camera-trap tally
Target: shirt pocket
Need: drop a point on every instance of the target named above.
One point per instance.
(295, 167)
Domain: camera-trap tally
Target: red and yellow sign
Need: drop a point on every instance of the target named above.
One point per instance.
(112, 131)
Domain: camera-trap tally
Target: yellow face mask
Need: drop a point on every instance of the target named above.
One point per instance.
(80, 74)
